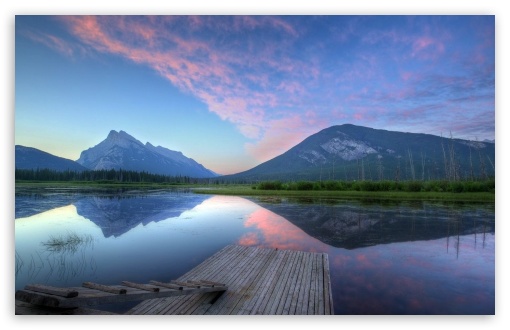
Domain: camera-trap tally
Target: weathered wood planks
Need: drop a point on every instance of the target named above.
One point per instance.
(259, 280)
(93, 294)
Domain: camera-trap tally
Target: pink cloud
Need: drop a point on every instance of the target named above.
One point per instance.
(53, 42)
(201, 67)
(427, 48)
(280, 135)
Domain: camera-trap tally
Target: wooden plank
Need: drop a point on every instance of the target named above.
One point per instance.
(290, 306)
(231, 274)
(241, 280)
(37, 298)
(328, 306)
(259, 280)
(288, 285)
(159, 306)
(279, 304)
(320, 285)
(140, 286)
(88, 298)
(248, 282)
(230, 254)
(104, 288)
(150, 306)
(173, 306)
(313, 288)
(61, 292)
(224, 272)
(166, 285)
(210, 283)
(261, 304)
(253, 289)
(203, 302)
(266, 286)
(306, 289)
(23, 308)
(202, 309)
(270, 308)
(185, 284)
(294, 285)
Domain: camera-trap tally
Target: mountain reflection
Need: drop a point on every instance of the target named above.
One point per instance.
(353, 224)
(116, 216)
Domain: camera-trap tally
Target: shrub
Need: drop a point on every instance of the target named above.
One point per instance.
(270, 185)
(304, 185)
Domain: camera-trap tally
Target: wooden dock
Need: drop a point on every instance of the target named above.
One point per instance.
(235, 280)
(260, 281)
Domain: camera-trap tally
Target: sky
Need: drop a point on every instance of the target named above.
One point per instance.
(78, 74)
(233, 91)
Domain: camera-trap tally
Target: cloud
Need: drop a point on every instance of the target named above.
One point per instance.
(282, 134)
(53, 42)
(279, 79)
(237, 86)
(427, 48)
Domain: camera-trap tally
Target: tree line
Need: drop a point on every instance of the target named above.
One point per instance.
(488, 185)
(100, 176)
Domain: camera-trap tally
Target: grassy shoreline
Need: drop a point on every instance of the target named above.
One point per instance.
(247, 190)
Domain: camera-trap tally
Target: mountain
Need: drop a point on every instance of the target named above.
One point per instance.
(349, 152)
(122, 151)
(27, 158)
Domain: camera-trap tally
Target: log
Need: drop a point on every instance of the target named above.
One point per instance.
(185, 284)
(61, 292)
(140, 286)
(104, 288)
(167, 285)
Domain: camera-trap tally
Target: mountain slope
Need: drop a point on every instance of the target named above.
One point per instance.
(122, 151)
(349, 152)
(27, 158)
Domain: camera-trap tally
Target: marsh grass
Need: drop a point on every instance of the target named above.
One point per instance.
(69, 243)
(398, 195)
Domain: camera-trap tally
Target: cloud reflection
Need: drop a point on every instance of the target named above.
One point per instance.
(274, 231)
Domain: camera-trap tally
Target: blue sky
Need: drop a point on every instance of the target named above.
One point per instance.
(234, 91)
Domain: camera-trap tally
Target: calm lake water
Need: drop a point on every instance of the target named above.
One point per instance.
(385, 257)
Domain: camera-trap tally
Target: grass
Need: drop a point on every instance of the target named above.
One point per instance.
(247, 190)
(67, 243)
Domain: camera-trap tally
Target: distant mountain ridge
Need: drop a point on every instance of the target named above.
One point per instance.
(122, 151)
(118, 151)
(31, 158)
(350, 152)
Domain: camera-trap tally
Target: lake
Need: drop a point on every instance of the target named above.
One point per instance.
(385, 257)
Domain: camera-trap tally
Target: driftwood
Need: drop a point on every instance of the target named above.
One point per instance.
(96, 294)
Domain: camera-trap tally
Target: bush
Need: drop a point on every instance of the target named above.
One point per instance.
(304, 185)
(270, 185)
(414, 186)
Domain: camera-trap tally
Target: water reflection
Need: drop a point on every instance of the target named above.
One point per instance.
(356, 224)
(385, 258)
(118, 215)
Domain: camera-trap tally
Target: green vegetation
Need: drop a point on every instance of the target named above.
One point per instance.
(405, 186)
(474, 191)
(458, 190)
